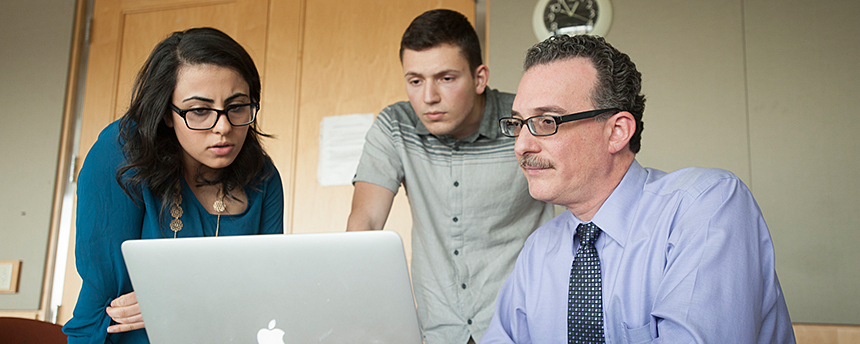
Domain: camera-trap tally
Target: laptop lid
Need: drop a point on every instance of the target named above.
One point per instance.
(274, 289)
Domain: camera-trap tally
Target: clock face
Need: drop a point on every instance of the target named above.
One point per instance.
(571, 17)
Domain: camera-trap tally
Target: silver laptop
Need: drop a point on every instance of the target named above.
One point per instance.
(274, 289)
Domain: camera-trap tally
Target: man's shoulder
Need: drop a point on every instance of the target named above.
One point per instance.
(500, 95)
(399, 111)
(691, 179)
(503, 101)
(398, 117)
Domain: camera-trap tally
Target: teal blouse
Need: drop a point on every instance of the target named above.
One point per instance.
(107, 216)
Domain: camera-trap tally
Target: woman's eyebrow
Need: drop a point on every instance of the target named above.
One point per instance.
(237, 95)
(207, 100)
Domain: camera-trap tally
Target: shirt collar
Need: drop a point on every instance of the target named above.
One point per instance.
(615, 217)
(489, 127)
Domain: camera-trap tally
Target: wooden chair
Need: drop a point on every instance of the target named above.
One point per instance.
(21, 331)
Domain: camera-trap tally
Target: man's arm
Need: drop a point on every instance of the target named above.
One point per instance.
(720, 273)
(371, 204)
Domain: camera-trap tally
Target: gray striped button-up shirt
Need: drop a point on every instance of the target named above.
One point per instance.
(471, 212)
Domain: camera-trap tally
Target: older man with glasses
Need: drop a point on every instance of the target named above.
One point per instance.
(641, 255)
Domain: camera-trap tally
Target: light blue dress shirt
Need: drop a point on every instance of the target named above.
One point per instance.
(686, 257)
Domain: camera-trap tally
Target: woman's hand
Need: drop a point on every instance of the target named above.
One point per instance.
(126, 312)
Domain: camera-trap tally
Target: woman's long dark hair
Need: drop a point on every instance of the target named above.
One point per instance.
(152, 152)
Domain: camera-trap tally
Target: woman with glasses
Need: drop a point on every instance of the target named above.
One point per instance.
(184, 161)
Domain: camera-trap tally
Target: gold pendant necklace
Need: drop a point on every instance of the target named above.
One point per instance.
(219, 207)
(176, 212)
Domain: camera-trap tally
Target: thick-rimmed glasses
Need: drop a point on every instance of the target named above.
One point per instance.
(205, 118)
(544, 125)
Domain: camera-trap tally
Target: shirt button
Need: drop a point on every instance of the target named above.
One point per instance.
(463, 285)
(456, 184)
(456, 252)
(456, 219)
(469, 321)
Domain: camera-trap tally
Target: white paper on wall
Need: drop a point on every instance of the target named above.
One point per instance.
(341, 142)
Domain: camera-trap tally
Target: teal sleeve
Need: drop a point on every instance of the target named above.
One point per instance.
(106, 216)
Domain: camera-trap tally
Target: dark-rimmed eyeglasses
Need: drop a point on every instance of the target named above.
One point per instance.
(205, 118)
(544, 125)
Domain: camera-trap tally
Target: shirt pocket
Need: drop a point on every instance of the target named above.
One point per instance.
(636, 335)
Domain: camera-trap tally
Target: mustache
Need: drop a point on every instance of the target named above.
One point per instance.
(534, 161)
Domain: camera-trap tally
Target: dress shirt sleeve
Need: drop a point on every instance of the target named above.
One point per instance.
(380, 163)
(106, 216)
(719, 283)
(272, 219)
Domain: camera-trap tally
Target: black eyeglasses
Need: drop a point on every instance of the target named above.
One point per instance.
(205, 118)
(544, 125)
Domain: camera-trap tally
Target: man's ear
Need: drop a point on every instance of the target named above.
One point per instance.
(482, 74)
(621, 127)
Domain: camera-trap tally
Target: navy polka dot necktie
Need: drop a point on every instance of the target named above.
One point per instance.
(585, 305)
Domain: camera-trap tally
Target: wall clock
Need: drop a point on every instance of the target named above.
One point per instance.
(571, 17)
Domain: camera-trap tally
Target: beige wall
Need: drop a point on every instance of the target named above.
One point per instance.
(804, 110)
(767, 89)
(35, 40)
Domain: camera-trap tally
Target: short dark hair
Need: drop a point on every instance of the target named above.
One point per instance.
(618, 82)
(436, 27)
(152, 152)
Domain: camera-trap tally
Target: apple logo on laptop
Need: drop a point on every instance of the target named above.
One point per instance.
(271, 335)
